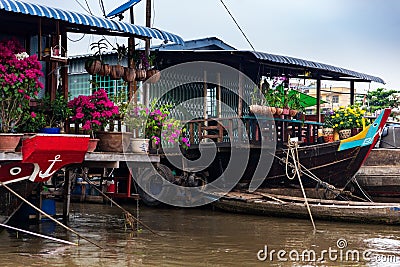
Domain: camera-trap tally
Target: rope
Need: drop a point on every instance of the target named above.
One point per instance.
(295, 156)
(128, 216)
(48, 216)
(38, 235)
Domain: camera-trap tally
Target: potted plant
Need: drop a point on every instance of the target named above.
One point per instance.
(153, 75)
(55, 112)
(117, 71)
(142, 64)
(94, 64)
(93, 112)
(294, 103)
(152, 124)
(344, 119)
(115, 140)
(19, 79)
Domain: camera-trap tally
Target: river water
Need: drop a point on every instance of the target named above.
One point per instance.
(200, 237)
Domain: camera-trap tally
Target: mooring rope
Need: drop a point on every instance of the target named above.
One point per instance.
(38, 235)
(295, 156)
(48, 216)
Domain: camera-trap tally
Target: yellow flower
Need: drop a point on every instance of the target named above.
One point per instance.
(337, 115)
(341, 122)
(336, 125)
(342, 107)
(350, 120)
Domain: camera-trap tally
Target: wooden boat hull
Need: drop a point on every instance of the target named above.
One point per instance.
(363, 212)
(334, 163)
(379, 176)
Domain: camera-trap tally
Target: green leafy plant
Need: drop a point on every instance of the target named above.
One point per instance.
(55, 111)
(122, 52)
(99, 47)
(32, 122)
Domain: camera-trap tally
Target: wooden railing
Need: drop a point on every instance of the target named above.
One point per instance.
(235, 130)
(231, 130)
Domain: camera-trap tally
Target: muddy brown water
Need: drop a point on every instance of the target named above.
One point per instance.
(200, 237)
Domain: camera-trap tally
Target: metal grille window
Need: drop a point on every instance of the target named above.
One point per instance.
(114, 88)
(212, 102)
(335, 99)
(79, 85)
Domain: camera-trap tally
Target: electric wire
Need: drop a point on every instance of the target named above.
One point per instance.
(102, 7)
(84, 8)
(90, 11)
(237, 24)
(76, 40)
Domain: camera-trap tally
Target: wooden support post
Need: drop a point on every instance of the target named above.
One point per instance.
(131, 64)
(64, 69)
(219, 94)
(318, 100)
(352, 92)
(240, 105)
(40, 52)
(67, 194)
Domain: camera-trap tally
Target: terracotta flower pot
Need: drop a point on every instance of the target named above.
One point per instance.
(285, 111)
(293, 112)
(113, 141)
(279, 111)
(92, 144)
(9, 141)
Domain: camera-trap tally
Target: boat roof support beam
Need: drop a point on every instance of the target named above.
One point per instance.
(319, 99)
(352, 92)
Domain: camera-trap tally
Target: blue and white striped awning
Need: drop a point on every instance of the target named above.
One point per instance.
(87, 20)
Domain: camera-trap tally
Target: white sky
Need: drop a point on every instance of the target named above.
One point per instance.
(360, 35)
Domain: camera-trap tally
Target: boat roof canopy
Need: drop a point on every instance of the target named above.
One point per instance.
(257, 64)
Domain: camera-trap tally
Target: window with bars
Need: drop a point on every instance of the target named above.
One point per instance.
(78, 84)
(212, 102)
(116, 89)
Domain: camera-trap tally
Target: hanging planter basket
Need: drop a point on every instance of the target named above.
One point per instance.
(140, 75)
(153, 75)
(105, 70)
(129, 74)
(117, 71)
(93, 66)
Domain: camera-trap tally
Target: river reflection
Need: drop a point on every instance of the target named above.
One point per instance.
(198, 237)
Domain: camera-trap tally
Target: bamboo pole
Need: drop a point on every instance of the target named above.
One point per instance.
(48, 216)
(38, 235)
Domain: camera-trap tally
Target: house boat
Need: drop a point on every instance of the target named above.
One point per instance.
(216, 110)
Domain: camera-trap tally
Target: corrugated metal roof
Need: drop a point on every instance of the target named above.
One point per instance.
(87, 20)
(314, 65)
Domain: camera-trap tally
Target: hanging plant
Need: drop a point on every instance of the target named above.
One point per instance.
(94, 65)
